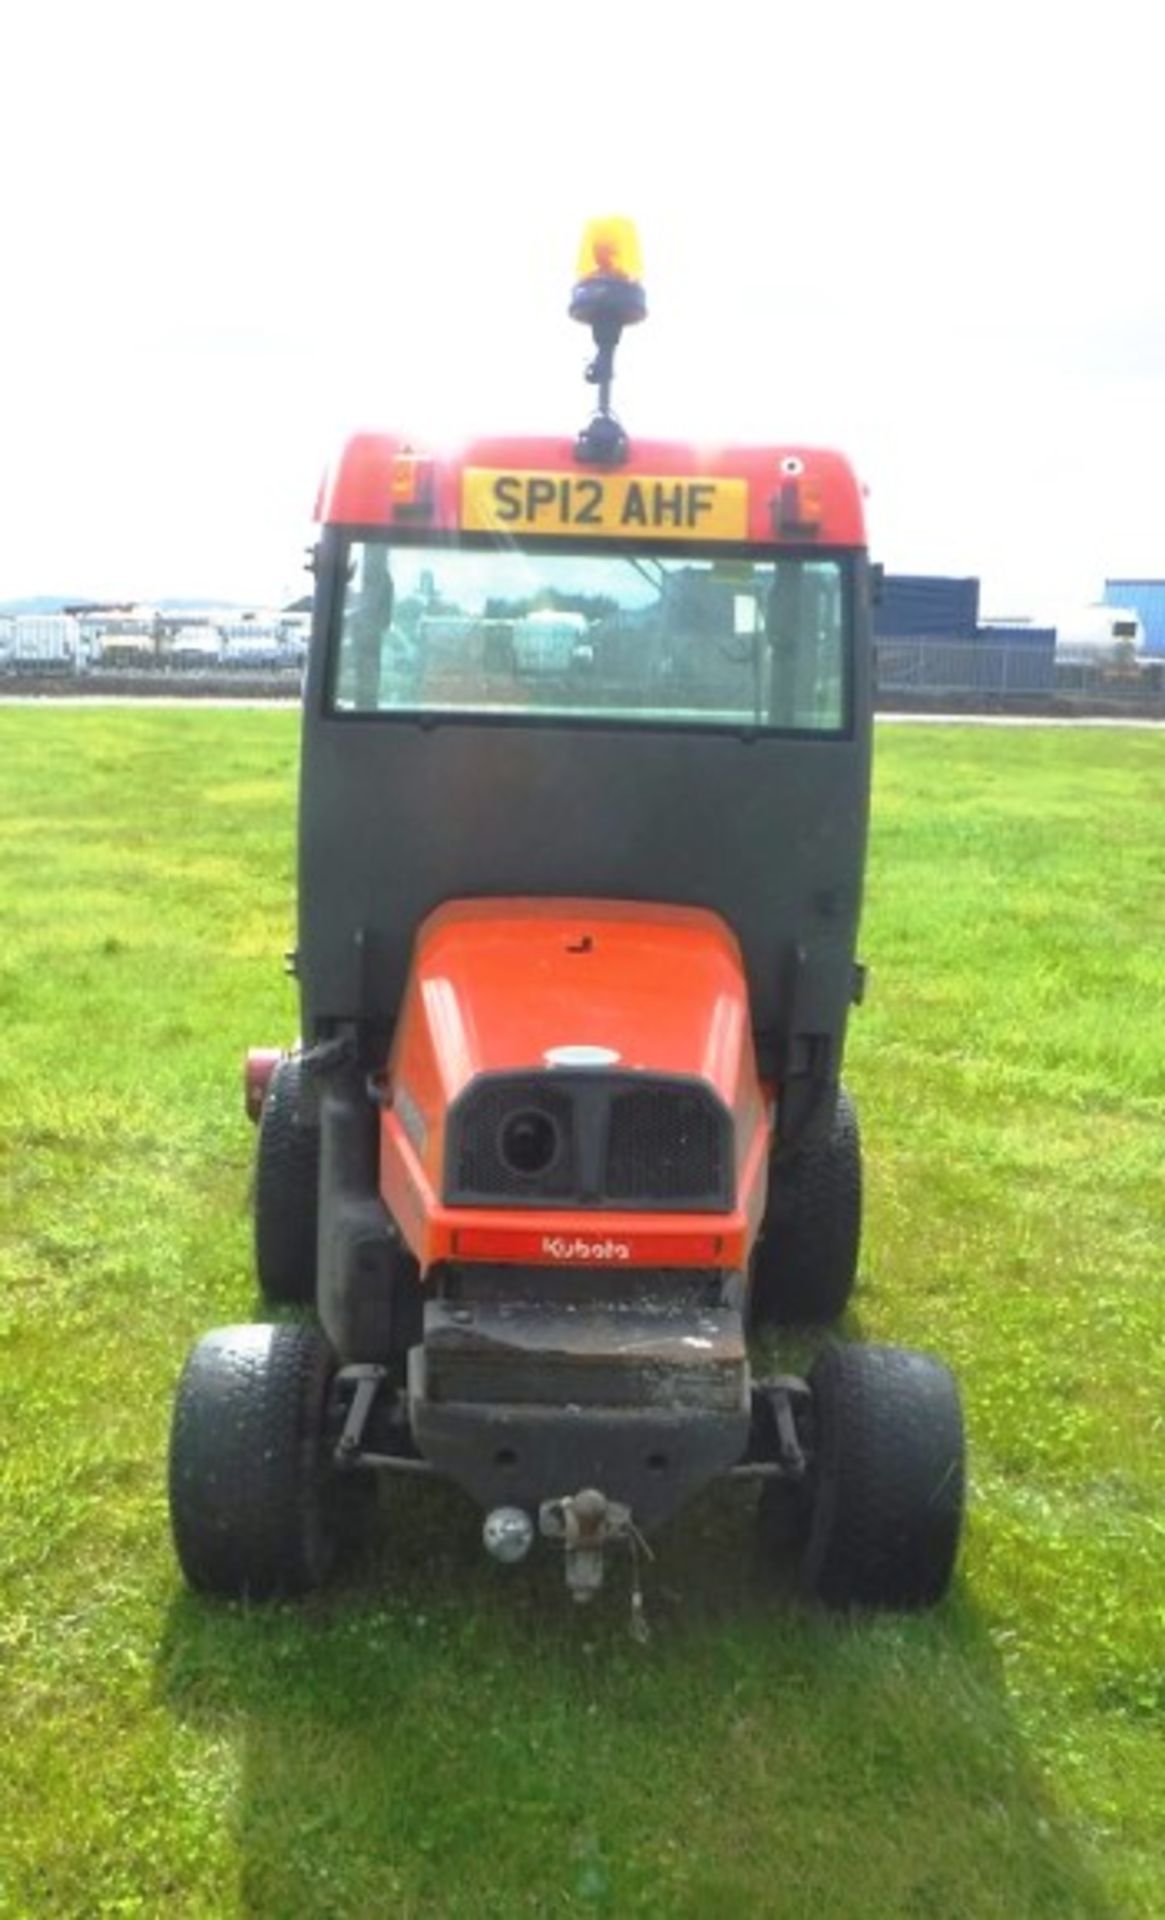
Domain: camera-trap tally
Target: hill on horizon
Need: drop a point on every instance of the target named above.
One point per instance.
(57, 602)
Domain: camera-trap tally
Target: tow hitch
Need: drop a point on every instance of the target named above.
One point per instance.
(587, 1523)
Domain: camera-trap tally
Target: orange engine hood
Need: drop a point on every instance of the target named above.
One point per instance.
(517, 986)
(503, 984)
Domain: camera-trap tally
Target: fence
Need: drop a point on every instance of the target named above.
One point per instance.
(966, 671)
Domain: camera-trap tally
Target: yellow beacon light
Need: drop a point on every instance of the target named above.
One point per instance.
(607, 296)
(610, 266)
(610, 249)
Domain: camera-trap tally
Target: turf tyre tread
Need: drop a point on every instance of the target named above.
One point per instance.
(807, 1257)
(888, 1479)
(253, 1497)
(287, 1168)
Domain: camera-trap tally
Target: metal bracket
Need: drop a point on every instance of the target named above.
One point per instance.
(368, 1380)
(789, 1447)
(777, 1399)
(328, 1054)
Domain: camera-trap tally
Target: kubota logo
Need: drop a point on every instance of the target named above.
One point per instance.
(557, 1247)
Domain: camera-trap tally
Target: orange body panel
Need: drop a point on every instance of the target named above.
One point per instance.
(498, 985)
(382, 480)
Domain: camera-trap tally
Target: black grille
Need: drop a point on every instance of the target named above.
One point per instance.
(665, 1144)
(487, 1167)
(591, 1140)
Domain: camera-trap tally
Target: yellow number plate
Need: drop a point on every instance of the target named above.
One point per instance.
(664, 507)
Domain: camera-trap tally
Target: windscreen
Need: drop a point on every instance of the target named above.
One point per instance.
(629, 637)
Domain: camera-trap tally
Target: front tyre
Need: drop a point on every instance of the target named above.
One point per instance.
(887, 1479)
(255, 1501)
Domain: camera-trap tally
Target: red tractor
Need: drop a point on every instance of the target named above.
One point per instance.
(583, 806)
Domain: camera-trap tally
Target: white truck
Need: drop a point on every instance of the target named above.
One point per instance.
(195, 647)
(255, 644)
(551, 643)
(1108, 639)
(44, 643)
(119, 641)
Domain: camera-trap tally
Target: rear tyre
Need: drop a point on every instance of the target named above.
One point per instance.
(807, 1256)
(256, 1506)
(287, 1172)
(887, 1479)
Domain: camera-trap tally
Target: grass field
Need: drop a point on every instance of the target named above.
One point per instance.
(435, 1736)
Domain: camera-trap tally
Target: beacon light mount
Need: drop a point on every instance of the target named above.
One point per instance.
(608, 296)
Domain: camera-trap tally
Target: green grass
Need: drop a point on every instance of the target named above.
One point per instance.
(434, 1735)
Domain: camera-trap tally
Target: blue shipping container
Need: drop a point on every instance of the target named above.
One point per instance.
(927, 607)
(1146, 597)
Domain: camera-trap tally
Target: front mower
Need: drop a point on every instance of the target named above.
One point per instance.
(583, 804)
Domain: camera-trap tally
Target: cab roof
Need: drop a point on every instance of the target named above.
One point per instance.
(536, 486)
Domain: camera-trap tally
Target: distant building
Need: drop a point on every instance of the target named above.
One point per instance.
(1148, 598)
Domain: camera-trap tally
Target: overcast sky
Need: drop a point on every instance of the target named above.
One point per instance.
(931, 235)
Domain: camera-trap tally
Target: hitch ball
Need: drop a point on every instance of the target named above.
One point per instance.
(508, 1534)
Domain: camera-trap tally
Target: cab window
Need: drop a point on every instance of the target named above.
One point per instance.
(632, 637)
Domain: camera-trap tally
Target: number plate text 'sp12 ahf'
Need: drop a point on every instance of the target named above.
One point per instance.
(660, 507)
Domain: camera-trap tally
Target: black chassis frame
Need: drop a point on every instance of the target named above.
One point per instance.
(775, 1441)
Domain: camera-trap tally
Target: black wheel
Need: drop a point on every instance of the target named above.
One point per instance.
(807, 1255)
(287, 1167)
(887, 1478)
(256, 1506)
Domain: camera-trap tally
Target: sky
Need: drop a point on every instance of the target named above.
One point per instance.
(929, 235)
